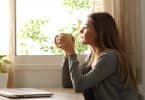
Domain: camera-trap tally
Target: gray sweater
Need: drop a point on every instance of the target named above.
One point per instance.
(104, 79)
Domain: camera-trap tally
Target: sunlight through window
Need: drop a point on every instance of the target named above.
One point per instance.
(38, 21)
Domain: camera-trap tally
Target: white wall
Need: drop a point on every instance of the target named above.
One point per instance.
(39, 75)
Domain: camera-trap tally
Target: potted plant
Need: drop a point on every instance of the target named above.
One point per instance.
(4, 68)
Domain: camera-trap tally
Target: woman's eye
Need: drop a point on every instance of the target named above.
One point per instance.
(85, 26)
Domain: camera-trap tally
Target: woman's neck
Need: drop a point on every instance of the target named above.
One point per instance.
(95, 55)
(95, 51)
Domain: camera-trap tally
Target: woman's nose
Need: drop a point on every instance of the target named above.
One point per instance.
(81, 30)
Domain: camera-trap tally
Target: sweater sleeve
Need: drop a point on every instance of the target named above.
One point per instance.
(106, 65)
(66, 81)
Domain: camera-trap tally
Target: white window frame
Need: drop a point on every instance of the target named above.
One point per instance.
(36, 62)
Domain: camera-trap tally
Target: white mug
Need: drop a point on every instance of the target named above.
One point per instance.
(67, 35)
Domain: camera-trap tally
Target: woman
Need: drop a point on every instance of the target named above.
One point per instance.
(109, 76)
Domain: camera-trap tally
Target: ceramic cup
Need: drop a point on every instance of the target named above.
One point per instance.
(66, 35)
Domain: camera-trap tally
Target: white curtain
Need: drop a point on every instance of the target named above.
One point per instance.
(127, 15)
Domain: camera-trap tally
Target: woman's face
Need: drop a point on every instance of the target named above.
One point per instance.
(87, 33)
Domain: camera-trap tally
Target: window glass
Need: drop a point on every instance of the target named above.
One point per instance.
(38, 21)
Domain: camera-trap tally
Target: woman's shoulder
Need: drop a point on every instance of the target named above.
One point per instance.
(109, 52)
(109, 56)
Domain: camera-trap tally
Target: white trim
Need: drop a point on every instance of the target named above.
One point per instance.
(35, 63)
(32, 62)
(39, 60)
(28, 67)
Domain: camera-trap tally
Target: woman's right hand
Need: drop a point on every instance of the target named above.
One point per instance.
(65, 42)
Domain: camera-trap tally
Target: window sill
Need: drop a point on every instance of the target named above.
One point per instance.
(27, 67)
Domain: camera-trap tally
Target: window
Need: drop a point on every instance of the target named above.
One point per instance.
(38, 21)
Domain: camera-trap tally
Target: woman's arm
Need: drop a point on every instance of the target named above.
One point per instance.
(66, 80)
(107, 64)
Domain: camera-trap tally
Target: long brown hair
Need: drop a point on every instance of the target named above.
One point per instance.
(107, 37)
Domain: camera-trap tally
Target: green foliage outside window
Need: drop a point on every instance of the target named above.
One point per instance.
(77, 4)
(32, 31)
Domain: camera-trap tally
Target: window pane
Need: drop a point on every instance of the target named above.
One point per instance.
(4, 26)
(38, 21)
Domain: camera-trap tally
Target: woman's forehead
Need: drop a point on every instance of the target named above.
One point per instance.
(87, 20)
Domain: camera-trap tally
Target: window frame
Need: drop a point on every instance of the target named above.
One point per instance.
(33, 62)
(29, 62)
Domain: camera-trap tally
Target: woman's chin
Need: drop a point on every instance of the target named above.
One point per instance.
(83, 42)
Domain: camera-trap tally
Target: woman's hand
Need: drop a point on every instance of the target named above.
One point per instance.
(65, 42)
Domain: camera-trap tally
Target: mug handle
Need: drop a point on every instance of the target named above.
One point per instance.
(56, 39)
